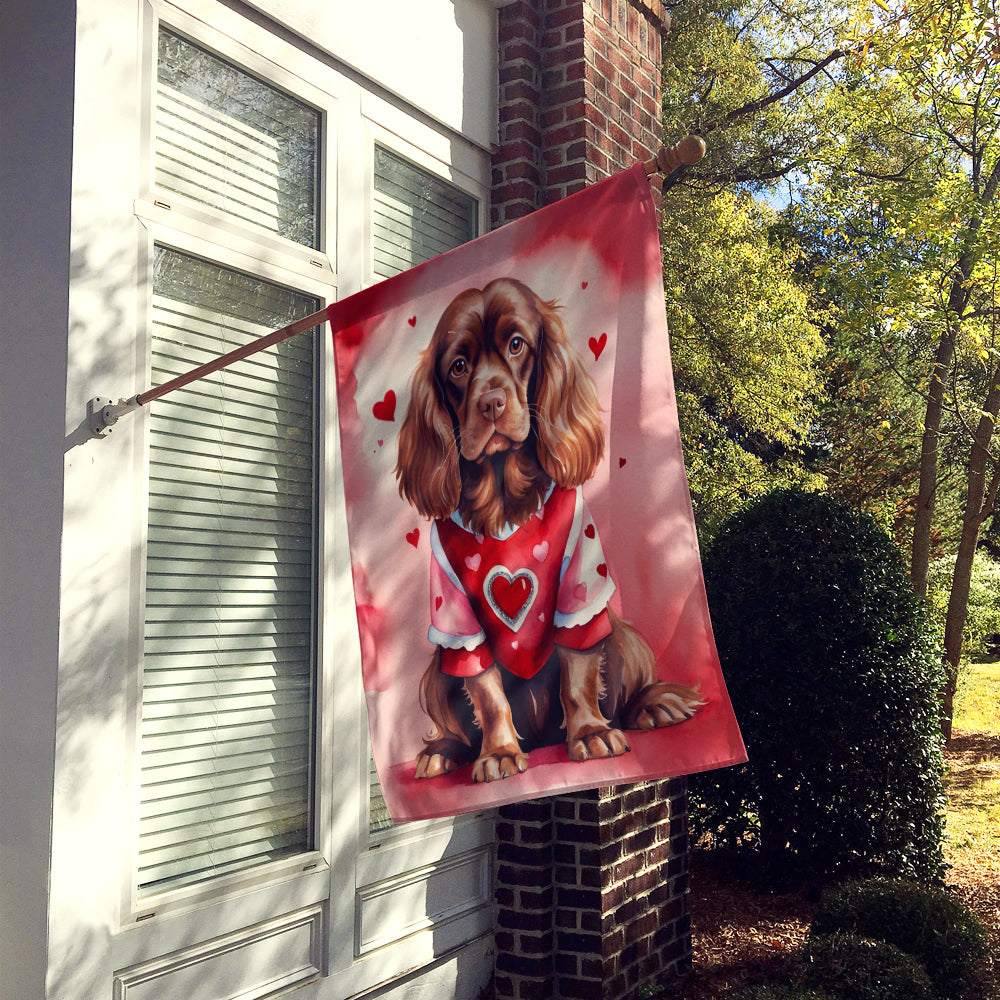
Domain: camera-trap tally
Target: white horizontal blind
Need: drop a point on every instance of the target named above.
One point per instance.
(228, 659)
(416, 216)
(228, 140)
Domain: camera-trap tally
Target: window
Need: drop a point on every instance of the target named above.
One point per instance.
(416, 216)
(229, 646)
(252, 803)
(228, 687)
(227, 140)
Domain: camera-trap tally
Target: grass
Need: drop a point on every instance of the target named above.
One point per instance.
(978, 698)
(973, 783)
(973, 806)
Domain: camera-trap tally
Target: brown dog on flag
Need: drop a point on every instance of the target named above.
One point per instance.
(502, 429)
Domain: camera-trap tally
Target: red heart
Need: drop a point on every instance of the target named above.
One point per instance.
(438, 601)
(385, 408)
(413, 537)
(511, 595)
(589, 531)
(621, 463)
(583, 284)
(602, 570)
(412, 321)
(597, 345)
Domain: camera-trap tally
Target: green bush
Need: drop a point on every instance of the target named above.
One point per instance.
(983, 611)
(833, 672)
(782, 993)
(924, 921)
(856, 968)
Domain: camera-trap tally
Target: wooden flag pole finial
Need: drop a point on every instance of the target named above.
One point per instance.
(668, 158)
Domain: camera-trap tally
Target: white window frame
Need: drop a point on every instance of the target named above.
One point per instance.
(349, 870)
(180, 224)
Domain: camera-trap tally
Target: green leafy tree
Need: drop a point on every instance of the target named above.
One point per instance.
(747, 357)
(747, 353)
(911, 188)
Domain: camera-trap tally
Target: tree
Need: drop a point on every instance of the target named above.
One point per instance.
(878, 122)
(913, 187)
(746, 75)
(747, 352)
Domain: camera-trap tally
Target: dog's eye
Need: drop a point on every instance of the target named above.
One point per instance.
(458, 367)
(516, 346)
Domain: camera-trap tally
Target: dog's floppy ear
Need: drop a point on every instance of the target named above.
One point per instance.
(427, 459)
(569, 429)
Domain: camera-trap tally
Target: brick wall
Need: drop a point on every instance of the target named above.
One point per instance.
(579, 96)
(591, 893)
(591, 888)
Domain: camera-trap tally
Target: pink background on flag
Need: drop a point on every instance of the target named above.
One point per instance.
(597, 253)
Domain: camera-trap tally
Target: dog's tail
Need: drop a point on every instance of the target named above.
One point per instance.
(446, 704)
(630, 673)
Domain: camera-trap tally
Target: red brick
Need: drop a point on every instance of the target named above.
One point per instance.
(570, 93)
(573, 988)
(518, 50)
(568, 174)
(564, 54)
(518, 111)
(522, 92)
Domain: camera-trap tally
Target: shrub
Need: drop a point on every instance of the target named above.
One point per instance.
(982, 620)
(856, 968)
(924, 921)
(833, 672)
(782, 993)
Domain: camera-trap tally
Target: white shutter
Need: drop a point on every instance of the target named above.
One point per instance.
(228, 660)
(415, 216)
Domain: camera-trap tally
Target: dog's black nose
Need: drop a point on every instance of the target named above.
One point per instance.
(492, 404)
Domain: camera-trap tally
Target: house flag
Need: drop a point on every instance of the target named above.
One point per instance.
(526, 573)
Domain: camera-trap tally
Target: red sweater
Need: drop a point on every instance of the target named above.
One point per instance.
(512, 599)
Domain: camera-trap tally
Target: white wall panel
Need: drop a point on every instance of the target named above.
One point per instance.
(254, 964)
(416, 49)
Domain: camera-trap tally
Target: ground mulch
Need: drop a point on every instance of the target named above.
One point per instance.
(742, 934)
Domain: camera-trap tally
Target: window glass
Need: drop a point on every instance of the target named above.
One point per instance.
(416, 216)
(228, 680)
(228, 140)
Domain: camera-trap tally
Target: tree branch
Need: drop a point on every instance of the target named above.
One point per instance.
(754, 106)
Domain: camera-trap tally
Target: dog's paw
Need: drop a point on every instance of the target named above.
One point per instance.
(608, 742)
(505, 762)
(663, 704)
(431, 765)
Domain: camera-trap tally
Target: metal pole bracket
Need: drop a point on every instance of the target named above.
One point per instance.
(103, 413)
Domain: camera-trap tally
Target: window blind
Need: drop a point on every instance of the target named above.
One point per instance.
(415, 216)
(228, 140)
(228, 653)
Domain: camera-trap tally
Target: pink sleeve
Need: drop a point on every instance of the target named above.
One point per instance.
(585, 586)
(454, 626)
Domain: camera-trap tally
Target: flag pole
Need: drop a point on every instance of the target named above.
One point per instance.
(103, 414)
